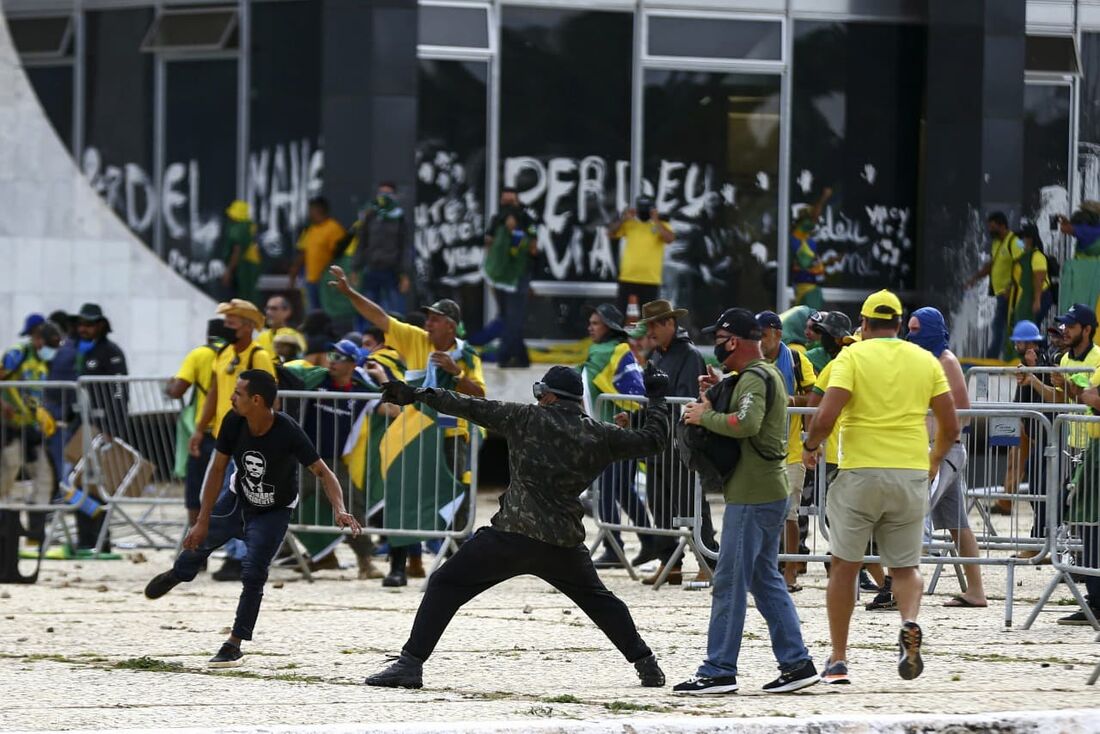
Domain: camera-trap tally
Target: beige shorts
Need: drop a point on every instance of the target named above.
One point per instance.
(796, 475)
(887, 504)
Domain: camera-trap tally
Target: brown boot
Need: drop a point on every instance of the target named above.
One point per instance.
(328, 562)
(1001, 507)
(414, 569)
(675, 577)
(367, 570)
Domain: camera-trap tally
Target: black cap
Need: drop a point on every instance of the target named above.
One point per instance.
(740, 322)
(834, 323)
(769, 320)
(1079, 313)
(564, 382)
(447, 308)
(610, 315)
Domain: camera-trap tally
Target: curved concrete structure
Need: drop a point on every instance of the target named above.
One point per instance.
(61, 246)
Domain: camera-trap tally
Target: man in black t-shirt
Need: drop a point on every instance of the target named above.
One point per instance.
(266, 448)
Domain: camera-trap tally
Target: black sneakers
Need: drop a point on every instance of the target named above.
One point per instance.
(910, 664)
(230, 571)
(229, 656)
(650, 672)
(1078, 619)
(804, 676)
(405, 672)
(396, 578)
(161, 584)
(703, 686)
(884, 601)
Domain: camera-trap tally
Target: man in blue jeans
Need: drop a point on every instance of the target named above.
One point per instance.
(266, 447)
(750, 408)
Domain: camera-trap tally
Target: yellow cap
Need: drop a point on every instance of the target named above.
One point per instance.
(239, 211)
(881, 305)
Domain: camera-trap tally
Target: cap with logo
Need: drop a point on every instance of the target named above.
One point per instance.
(740, 322)
(445, 307)
(345, 348)
(834, 323)
(1080, 314)
(881, 305)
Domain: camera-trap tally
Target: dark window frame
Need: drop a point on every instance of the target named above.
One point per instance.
(64, 51)
(149, 45)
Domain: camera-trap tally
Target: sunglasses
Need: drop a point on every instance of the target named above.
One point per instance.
(339, 357)
(233, 364)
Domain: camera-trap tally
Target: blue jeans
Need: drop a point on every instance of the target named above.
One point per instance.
(313, 295)
(262, 531)
(1000, 319)
(617, 490)
(381, 286)
(748, 562)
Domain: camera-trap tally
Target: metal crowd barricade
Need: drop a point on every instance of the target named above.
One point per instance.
(39, 423)
(998, 385)
(130, 458)
(404, 474)
(653, 497)
(1008, 545)
(1073, 511)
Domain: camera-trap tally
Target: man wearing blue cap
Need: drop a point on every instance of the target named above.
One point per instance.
(555, 452)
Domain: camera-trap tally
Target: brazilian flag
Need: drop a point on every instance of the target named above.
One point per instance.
(419, 487)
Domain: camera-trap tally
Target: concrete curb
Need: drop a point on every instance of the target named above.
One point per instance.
(1031, 722)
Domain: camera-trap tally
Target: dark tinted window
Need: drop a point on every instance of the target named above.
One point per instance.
(191, 30)
(41, 36)
(1056, 54)
(53, 86)
(444, 25)
(857, 109)
(715, 38)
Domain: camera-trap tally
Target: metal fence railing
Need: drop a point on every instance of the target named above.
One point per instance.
(406, 473)
(1000, 384)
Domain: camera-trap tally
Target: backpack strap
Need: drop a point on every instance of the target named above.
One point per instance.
(769, 398)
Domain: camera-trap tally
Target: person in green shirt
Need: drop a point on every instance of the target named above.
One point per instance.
(756, 507)
(243, 259)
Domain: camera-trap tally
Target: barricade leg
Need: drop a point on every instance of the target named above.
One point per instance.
(1043, 599)
(1010, 590)
(673, 561)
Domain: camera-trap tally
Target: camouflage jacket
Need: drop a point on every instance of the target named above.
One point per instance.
(554, 454)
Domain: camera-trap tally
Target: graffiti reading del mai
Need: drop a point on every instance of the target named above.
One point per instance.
(281, 180)
(572, 199)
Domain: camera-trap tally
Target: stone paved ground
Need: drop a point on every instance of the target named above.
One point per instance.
(84, 649)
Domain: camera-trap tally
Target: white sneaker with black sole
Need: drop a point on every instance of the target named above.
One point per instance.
(804, 676)
(698, 685)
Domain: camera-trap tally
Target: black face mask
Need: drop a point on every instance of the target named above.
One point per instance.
(721, 353)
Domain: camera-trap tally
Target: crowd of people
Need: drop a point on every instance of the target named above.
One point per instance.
(886, 428)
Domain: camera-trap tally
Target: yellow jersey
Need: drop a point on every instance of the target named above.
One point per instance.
(643, 251)
(228, 366)
(198, 369)
(318, 242)
(892, 382)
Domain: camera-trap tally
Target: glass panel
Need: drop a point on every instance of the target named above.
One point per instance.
(200, 176)
(1051, 54)
(184, 30)
(711, 152)
(1088, 134)
(565, 143)
(715, 38)
(856, 128)
(118, 157)
(450, 188)
(45, 36)
(1046, 154)
(54, 87)
(285, 163)
(451, 26)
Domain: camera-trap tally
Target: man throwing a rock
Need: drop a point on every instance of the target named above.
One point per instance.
(555, 451)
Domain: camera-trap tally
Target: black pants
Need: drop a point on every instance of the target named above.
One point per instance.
(492, 556)
(673, 495)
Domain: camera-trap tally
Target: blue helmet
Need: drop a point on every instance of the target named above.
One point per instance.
(1026, 331)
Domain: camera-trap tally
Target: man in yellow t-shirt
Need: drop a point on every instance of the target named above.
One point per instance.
(316, 247)
(239, 355)
(196, 373)
(884, 387)
(1005, 250)
(278, 313)
(644, 237)
(443, 360)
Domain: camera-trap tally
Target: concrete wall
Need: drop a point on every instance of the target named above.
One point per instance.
(60, 246)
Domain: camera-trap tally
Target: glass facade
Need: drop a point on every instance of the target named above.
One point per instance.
(731, 122)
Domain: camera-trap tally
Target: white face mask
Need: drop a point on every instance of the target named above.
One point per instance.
(47, 354)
